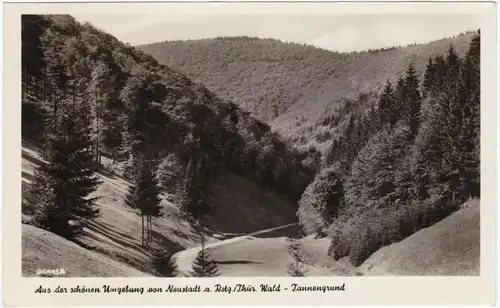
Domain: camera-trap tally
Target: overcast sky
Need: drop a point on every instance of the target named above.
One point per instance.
(338, 33)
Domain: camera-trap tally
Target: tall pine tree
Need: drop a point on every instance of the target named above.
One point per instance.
(62, 186)
(400, 97)
(144, 195)
(413, 100)
(386, 106)
(204, 265)
(296, 267)
(429, 77)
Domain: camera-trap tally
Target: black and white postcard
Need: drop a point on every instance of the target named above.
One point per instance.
(249, 153)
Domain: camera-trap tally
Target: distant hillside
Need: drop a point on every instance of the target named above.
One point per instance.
(293, 87)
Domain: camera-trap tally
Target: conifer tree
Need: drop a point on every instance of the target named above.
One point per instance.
(162, 260)
(439, 72)
(400, 97)
(413, 100)
(144, 195)
(439, 152)
(452, 63)
(429, 77)
(386, 106)
(468, 142)
(99, 91)
(63, 185)
(296, 267)
(204, 265)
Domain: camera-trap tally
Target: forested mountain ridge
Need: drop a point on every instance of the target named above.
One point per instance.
(295, 88)
(163, 129)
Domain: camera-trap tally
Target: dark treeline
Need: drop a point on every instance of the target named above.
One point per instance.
(402, 164)
(84, 91)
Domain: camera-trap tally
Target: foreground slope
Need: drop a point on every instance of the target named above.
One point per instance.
(450, 247)
(45, 250)
(291, 86)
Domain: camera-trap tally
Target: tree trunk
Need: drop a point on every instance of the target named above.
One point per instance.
(43, 89)
(25, 88)
(54, 101)
(73, 99)
(150, 228)
(98, 158)
(142, 225)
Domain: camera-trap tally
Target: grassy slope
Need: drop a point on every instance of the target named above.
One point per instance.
(45, 250)
(450, 247)
(117, 231)
(305, 83)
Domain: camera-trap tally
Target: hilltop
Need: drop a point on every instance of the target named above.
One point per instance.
(293, 87)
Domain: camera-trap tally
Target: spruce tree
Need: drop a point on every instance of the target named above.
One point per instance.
(144, 195)
(400, 97)
(386, 106)
(429, 77)
(62, 186)
(452, 63)
(162, 261)
(413, 100)
(99, 91)
(204, 265)
(438, 157)
(468, 142)
(296, 267)
(439, 72)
